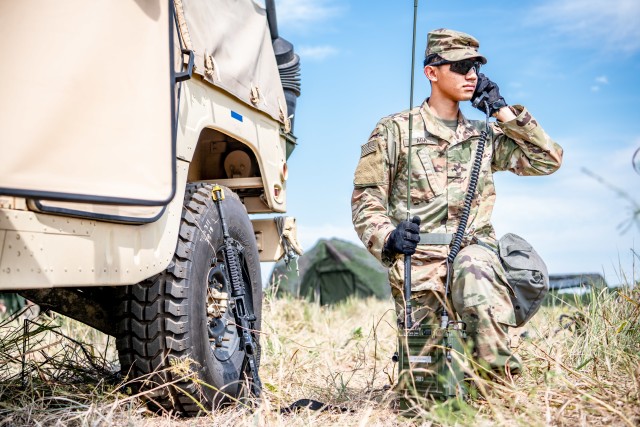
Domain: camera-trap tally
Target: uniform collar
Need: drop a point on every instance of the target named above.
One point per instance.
(436, 127)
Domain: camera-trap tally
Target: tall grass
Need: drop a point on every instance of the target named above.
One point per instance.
(581, 358)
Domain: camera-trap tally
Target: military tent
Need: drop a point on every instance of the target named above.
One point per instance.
(332, 271)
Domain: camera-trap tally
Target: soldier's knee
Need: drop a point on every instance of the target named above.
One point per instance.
(472, 255)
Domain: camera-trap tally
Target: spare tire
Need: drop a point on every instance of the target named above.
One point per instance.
(184, 313)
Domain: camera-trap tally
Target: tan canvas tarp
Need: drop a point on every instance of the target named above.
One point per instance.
(85, 99)
(233, 50)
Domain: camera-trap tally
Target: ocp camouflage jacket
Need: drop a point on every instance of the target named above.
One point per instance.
(441, 163)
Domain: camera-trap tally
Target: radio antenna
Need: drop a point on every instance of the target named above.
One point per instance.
(407, 258)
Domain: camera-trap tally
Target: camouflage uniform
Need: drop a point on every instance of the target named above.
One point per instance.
(441, 162)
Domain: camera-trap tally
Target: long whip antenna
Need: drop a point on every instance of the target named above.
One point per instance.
(407, 258)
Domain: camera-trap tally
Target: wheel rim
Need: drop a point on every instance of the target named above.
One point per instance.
(222, 331)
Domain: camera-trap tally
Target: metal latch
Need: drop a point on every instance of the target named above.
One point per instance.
(186, 75)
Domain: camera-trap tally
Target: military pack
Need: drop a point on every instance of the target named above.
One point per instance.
(526, 273)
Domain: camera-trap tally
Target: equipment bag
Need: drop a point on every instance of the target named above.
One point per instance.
(526, 273)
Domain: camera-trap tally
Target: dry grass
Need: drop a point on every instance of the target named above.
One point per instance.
(581, 370)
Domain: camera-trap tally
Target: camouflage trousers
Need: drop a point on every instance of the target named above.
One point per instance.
(480, 298)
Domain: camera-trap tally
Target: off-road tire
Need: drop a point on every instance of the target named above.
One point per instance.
(164, 318)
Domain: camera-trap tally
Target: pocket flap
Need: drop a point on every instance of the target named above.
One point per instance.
(518, 254)
(513, 243)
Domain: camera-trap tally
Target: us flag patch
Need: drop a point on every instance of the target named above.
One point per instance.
(368, 148)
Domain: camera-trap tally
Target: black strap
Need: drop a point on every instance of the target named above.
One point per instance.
(314, 405)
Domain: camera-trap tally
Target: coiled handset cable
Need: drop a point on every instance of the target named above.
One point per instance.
(464, 217)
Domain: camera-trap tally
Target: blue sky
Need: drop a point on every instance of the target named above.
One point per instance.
(575, 64)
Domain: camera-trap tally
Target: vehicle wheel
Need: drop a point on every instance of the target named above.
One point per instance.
(180, 314)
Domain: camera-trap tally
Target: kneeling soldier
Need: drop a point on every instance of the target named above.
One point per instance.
(444, 144)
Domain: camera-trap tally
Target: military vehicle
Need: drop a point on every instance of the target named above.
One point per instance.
(116, 119)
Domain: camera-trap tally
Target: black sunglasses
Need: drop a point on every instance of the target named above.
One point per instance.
(461, 67)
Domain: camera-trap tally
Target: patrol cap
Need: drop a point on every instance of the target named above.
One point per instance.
(452, 45)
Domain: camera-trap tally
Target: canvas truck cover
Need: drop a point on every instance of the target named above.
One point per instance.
(85, 100)
(233, 50)
(87, 93)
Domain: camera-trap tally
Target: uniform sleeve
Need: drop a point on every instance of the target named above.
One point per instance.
(369, 201)
(523, 147)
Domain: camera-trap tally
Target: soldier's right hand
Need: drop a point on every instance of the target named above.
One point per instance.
(491, 91)
(404, 239)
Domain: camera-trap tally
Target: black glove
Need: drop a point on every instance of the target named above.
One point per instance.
(489, 92)
(405, 238)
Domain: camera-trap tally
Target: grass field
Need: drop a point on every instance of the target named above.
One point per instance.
(582, 368)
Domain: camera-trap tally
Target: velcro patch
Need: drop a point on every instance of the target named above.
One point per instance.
(368, 148)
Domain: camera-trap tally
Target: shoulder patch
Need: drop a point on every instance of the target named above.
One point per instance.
(368, 148)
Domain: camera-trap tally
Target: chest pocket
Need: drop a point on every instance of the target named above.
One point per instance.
(424, 174)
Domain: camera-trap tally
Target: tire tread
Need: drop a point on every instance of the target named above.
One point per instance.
(153, 327)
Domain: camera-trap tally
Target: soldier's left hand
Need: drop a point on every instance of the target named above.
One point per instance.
(405, 238)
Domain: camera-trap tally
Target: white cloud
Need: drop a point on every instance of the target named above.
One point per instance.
(303, 14)
(516, 90)
(600, 80)
(612, 25)
(317, 53)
